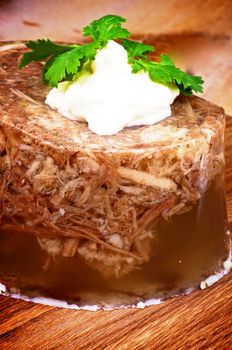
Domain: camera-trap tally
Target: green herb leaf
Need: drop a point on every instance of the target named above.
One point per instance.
(106, 28)
(64, 61)
(41, 50)
(165, 72)
(136, 49)
(68, 63)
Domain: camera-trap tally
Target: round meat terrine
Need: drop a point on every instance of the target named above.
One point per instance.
(107, 219)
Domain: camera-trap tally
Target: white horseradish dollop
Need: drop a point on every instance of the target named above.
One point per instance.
(112, 97)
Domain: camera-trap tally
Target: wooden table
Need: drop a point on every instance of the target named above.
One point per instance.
(202, 320)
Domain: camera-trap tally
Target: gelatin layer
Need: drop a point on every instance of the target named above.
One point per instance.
(186, 249)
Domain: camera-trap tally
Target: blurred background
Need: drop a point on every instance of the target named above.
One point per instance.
(197, 34)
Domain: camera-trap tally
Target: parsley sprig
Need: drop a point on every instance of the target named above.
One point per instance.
(64, 61)
(106, 28)
(164, 72)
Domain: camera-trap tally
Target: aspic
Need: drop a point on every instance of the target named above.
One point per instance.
(111, 173)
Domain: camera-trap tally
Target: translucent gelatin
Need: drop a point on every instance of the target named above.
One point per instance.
(187, 249)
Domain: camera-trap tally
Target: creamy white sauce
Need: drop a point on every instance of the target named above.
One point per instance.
(112, 97)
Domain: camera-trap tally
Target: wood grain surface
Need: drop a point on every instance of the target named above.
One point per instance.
(202, 320)
(63, 20)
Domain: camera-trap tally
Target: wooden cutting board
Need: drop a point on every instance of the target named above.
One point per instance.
(202, 320)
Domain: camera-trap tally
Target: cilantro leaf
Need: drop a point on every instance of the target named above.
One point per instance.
(68, 63)
(64, 61)
(42, 49)
(136, 49)
(166, 72)
(106, 28)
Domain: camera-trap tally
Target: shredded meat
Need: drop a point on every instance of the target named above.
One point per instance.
(99, 197)
(86, 208)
